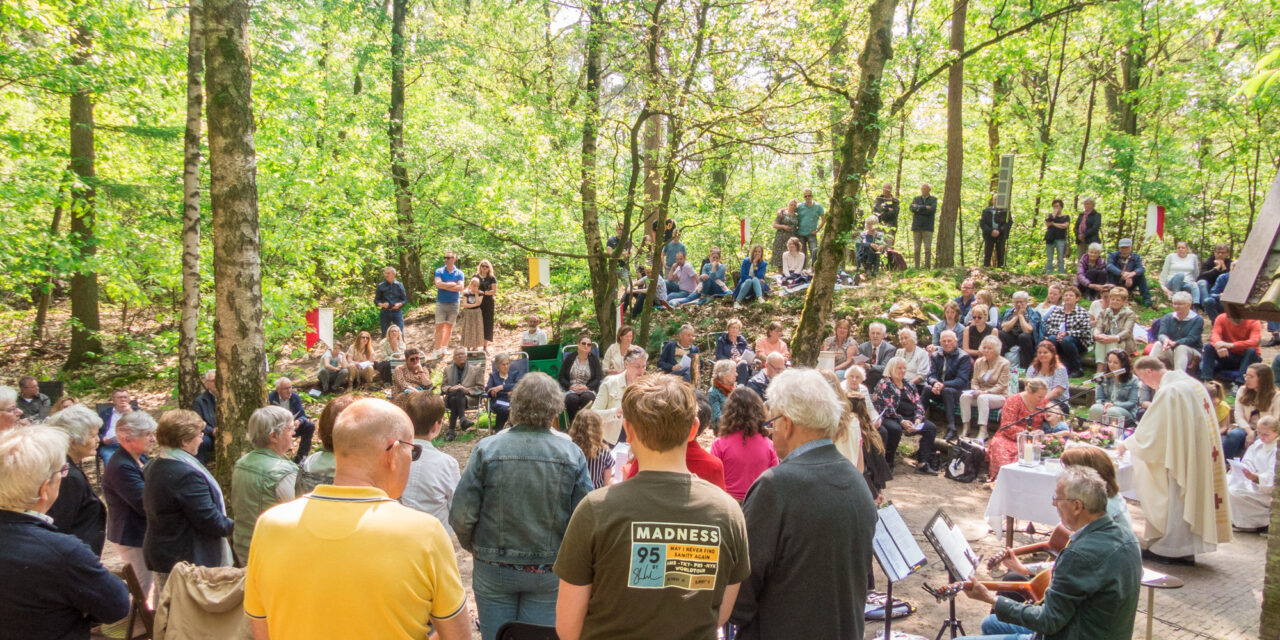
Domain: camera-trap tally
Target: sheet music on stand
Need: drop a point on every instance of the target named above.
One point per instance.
(949, 541)
(895, 548)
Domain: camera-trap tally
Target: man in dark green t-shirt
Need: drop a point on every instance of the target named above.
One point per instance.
(661, 555)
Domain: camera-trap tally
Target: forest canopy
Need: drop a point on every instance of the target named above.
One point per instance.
(707, 112)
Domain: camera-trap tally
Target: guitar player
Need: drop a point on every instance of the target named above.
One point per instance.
(1094, 589)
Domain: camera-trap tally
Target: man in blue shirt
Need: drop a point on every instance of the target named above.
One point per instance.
(449, 284)
(389, 299)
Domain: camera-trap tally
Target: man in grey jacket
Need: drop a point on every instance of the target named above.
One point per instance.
(828, 533)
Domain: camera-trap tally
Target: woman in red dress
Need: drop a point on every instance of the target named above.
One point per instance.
(1003, 448)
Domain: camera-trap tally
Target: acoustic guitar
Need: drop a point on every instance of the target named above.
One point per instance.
(1057, 541)
(1033, 590)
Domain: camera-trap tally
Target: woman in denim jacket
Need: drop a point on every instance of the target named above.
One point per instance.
(513, 504)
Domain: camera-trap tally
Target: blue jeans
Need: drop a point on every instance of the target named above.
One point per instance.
(750, 286)
(1180, 282)
(1230, 368)
(1233, 443)
(388, 317)
(994, 629)
(681, 297)
(1059, 247)
(504, 594)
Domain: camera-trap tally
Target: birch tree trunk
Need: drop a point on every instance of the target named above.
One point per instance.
(188, 372)
(233, 198)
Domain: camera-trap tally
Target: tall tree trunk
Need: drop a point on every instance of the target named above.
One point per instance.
(1046, 125)
(189, 385)
(1269, 625)
(85, 343)
(859, 146)
(239, 343)
(951, 192)
(599, 262)
(406, 238)
(999, 92)
(46, 290)
(653, 125)
(1084, 146)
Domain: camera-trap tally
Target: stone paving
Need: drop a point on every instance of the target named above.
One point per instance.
(1222, 598)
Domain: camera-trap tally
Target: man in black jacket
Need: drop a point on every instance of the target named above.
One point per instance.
(886, 208)
(389, 299)
(206, 406)
(951, 373)
(923, 209)
(827, 535)
(1088, 227)
(996, 224)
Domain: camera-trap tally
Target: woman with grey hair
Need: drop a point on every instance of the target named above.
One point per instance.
(902, 411)
(122, 486)
(55, 587)
(501, 381)
(10, 414)
(78, 510)
(512, 506)
(264, 477)
(609, 401)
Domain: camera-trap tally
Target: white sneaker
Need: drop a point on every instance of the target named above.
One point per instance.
(737, 305)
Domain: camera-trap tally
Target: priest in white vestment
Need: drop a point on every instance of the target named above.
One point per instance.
(1252, 478)
(1178, 468)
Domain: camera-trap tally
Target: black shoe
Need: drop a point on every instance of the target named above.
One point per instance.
(951, 434)
(1185, 561)
(467, 424)
(450, 435)
(1273, 342)
(925, 469)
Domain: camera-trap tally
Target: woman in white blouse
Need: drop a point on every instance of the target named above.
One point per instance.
(792, 259)
(613, 356)
(1180, 272)
(608, 401)
(989, 386)
(918, 363)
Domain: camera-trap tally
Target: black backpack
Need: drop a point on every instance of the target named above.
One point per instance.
(966, 458)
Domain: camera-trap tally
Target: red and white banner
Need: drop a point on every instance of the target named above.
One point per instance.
(1155, 220)
(744, 231)
(320, 326)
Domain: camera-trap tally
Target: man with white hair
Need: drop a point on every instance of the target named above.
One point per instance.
(1178, 467)
(1124, 269)
(1094, 589)
(827, 535)
(1180, 333)
(774, 365)
(298, 548)
(286, 398)
(55, 586)
(949, 375)
(877, 352)
(672, 357)
(206, 406)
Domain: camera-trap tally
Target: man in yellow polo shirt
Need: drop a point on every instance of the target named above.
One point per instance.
(348, 561)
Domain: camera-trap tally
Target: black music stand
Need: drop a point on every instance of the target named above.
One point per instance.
(957, 556)
(897, 552)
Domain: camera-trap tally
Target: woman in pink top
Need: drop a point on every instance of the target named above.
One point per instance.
(745, 451)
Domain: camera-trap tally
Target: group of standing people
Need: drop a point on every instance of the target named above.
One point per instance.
(467, 302)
